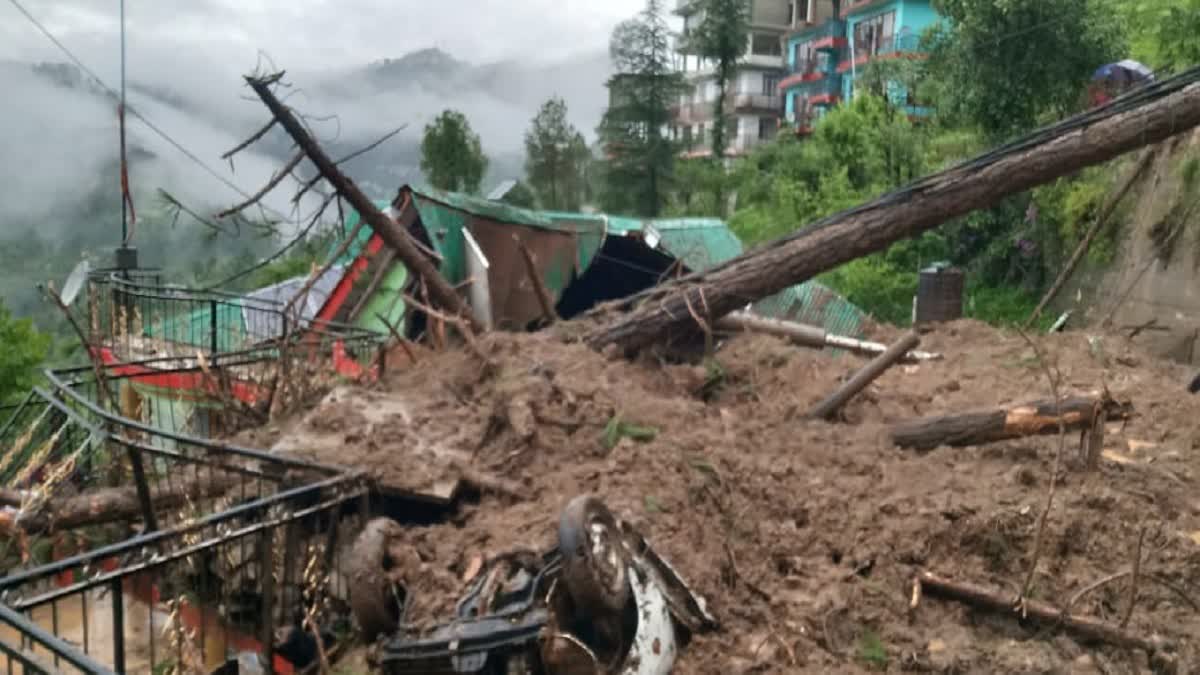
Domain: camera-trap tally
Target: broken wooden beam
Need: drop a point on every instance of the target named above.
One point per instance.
(1087, 628)
(661, 313)
(543, 293)
(810, 336)
(866, 375)
(393, 233)
(1036, 418)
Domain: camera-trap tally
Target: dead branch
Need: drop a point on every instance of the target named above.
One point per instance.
(543, 294)
(864, 377)
(312, 182)
(1133, 582)
(400, 339)
(250, 141)
(315, 276)
(393, 233)
(1053, 379)
(464, 328)
(1102, 217)
(276, 179)
(1091, 138)
(1086, 628)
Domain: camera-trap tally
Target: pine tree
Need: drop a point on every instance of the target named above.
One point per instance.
(640, 157)
(723, 36)
(556, 159)
(451, 155)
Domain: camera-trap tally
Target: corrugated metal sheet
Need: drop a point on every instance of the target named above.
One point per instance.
(702, 243)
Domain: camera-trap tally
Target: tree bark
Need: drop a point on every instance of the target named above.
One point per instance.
(1101, 218)
(865, 376)
(662, 312)
(108, 505)
(393, 233)
(1036, 418)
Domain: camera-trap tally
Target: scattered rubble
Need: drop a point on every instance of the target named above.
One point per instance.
(805, 536)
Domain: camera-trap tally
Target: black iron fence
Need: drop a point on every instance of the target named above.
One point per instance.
(140, 319)
(191, 597)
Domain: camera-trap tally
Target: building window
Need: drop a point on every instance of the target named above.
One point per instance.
(875, 35)
(765, 44)
(767, 126)
(770, 84)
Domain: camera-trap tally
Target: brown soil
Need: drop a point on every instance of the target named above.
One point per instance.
(805, 536)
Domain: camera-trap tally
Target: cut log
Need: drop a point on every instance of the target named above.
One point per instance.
(865, 376)
(1087, 628)
(394, 234)
(108, 505)
(659, 313)
(996, 424)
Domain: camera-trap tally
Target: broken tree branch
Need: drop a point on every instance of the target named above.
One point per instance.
(393, 233)
(543, 294)
(865, 376)
(271, 185)
(1083, 627)
(250, 141)
(1170, 108)
(1106, 211)
(1035, 418)
(312, 182)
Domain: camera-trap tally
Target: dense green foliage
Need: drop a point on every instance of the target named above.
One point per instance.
(1163, 33)
(521, 195)
(451, 154)
(723, 36)
(22, 350)
(1004, 66)
(639, 171)
(556, 159)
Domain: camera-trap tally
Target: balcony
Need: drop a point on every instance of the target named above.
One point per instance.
(765, 102)
(851, 6)
(829, 35)
(892, 46)
(824, 92)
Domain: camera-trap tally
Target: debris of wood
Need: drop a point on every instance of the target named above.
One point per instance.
(811, 336)
(394, 233)
(108, 505)
(1087, 628)
(661, 313)
(865, 376)
(1036, 418)
(543, 294)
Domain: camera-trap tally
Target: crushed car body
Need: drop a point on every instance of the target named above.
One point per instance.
(601, 602)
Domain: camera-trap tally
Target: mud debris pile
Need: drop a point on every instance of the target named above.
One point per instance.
(804, 536)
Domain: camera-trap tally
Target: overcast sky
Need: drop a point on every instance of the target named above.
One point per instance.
(311, 34)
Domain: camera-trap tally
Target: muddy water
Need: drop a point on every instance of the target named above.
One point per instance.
(87, 623)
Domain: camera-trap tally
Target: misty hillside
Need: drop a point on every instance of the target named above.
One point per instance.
(63, 194)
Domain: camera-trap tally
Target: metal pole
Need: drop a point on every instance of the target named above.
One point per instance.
(212, 306)
(124, 201)
(118, 603)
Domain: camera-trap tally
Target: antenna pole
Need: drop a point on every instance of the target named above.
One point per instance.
(121, 121)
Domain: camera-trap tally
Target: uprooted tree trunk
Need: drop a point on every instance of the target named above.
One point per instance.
(674, 308)
(393, 234)
(1037, 418)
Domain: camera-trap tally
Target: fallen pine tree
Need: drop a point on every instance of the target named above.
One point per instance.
(677, 308)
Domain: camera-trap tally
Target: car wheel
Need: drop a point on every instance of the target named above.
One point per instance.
(595, 570)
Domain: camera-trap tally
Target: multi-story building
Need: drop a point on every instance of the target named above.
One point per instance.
(754, 104)
(824, 55)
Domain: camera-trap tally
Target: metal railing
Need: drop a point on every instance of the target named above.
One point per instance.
(196, 503)
(833, 28)
(140, 320)
(758, 101)
(893, 44)
(194, 595)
